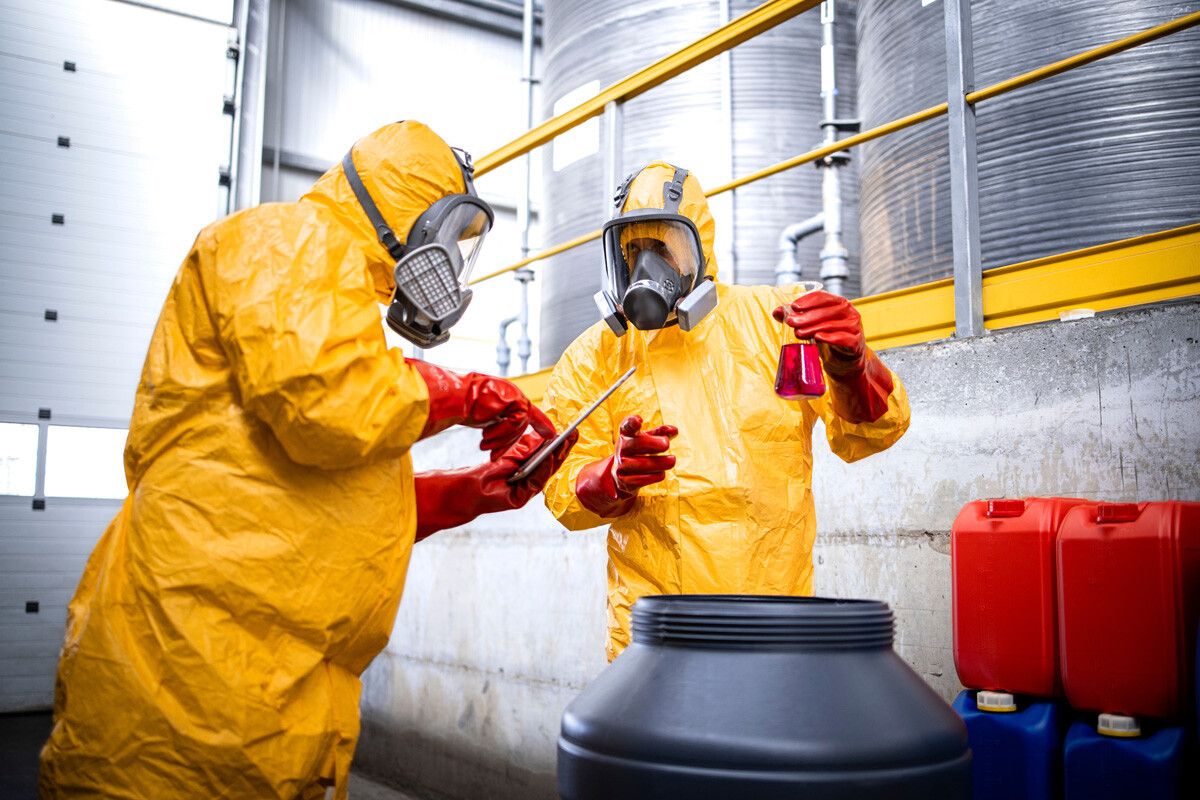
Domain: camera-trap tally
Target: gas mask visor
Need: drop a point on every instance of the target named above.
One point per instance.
(433, 264)
(652, 260)
(432, 290)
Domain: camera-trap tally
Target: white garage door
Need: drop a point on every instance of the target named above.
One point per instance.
(113, 135)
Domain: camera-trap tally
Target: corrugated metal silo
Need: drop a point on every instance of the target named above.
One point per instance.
(1105, 152)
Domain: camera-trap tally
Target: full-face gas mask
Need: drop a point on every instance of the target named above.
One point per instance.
(654, 265)
(434, 263)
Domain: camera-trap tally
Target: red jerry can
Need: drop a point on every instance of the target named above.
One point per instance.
(1128, 603)
(1002, 578)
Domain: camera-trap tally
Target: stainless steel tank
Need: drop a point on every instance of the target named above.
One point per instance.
(774, 83)
(1105, 152)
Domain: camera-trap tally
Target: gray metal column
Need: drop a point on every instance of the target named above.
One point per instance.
(964, 179)
(251, 18)
(614, 125)
(530, 81)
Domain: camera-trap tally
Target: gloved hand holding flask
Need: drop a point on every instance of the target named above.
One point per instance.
(609, 487)
(453, 497)
(860, 383)
(799, 375)
(480, 401)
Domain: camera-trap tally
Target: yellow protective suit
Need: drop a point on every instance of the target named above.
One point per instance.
(214, 644)
(735, 515)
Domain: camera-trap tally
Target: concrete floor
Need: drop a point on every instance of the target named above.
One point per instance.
(22, 736)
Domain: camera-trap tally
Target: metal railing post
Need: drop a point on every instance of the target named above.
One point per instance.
(614, 129)
(964, 178)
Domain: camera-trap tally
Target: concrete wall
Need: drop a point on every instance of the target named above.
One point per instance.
(502, 621)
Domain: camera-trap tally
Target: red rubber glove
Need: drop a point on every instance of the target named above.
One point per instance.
(480, 401)
(859, 382)
(609, 487)
(452, 497)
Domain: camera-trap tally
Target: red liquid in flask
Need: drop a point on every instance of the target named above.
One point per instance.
(799, 376)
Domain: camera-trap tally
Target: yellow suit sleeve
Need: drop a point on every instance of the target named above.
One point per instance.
(298, 314)
(852, 441)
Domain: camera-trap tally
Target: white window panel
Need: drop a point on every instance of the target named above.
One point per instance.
(579, 142)
(18, 458)
(85, 462)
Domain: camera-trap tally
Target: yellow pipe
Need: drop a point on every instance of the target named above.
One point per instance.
(733, 33)
(812, 155)
(1084, 58)
(558, 248)
(1146, 269)
(850, 141)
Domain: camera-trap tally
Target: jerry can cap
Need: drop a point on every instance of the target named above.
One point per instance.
(1005, 507)
(995, 701)
(1118, 725)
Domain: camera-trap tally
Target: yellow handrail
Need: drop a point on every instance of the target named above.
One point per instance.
(733, 33)
(933, 112)
(1050, 70)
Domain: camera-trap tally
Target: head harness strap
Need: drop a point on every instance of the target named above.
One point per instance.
(672, 190)
(386, 237)
(467, 168)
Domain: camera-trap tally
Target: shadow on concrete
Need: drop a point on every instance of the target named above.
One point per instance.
(22, 737)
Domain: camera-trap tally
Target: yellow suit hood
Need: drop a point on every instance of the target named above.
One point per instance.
(406, 167)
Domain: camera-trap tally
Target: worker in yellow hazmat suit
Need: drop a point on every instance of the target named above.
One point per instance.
(703, 474)
(215, 642)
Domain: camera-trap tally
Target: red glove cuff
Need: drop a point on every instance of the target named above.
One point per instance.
(446, 396)
(860, 387)
(598, 492)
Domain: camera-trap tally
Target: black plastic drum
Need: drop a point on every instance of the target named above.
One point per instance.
(730, 696)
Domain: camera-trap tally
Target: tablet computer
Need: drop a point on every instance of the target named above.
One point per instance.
(545, 450)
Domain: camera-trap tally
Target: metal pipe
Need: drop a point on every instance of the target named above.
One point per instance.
(503, 357)
(726, 66)
(280, 43)
(523, 208)
(787, 270)
(524, 343)
(246, 170)
(833, 254)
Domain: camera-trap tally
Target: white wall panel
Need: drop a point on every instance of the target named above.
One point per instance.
(42, 555)
(142, 110)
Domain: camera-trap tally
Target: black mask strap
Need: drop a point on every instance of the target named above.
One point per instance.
(386, 237)
(467, 167)
(673, 191)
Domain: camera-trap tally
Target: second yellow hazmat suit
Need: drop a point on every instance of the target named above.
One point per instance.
(735, 515)
(215, 643)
